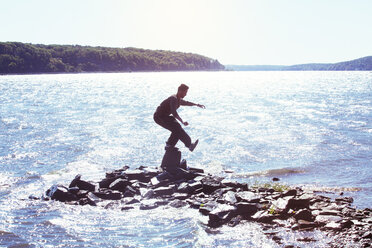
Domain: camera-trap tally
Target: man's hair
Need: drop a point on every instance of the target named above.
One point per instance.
(183, 87)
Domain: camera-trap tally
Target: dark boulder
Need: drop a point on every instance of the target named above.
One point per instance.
(60, 193)
(120, 184)
(304, 214)
(246, 209)
(108, 195)
(221, 215)
(210, 184)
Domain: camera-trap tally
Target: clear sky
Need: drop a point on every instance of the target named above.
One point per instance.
(251, 32)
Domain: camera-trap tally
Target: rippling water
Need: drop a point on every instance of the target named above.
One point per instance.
(308, 128)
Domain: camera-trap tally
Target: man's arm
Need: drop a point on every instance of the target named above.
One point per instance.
(186, 103)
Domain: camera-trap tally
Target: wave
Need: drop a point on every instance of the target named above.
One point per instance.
(272, 172)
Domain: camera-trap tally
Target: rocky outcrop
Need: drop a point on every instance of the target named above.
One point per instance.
(223, 201)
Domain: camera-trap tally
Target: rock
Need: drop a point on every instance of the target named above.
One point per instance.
(164, 191)
(344, 199)
(180, 196)
(93, 199)
(275, 179)
(208, 207)
(303, 224)
(129, 192)
(281, 205)
(234, 221)
(234, 184)
(229, 198)
(327, 218)
(138, 175)
(105, 183)
(367, 235)
(210, 184)
(304, 214)
(108, 195)
(148, 205)
(74, 181)
(195, 187)
(73, 190)
(147, 193)
(263, 216)
(296, 204)
(221, 215)
(247, 209)
(333, 226)
(60, 193)
(177, 204)
(291, 192)
(247, 196)
(119, 185)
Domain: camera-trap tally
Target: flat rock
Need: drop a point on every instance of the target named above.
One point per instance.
(247, 196)
(328, 218)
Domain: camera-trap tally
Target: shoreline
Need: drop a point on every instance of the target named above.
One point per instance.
(224, 201)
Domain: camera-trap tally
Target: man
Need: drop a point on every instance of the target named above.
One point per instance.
(166, 116)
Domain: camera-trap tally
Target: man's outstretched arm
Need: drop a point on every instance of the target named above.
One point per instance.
(186, 103)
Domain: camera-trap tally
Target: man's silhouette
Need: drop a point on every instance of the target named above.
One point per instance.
(166, 116)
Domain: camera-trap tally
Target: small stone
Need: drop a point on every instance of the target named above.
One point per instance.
(275, 179)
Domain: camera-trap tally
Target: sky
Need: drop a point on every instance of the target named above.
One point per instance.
(241, 32)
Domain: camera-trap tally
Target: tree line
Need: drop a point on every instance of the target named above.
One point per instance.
(16, 57)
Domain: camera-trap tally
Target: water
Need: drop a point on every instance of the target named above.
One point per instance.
(307, 128)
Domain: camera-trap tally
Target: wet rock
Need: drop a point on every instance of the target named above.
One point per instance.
(297, 204)
(108, 195)
(180, 196)
(147, 193)
(148, 205)
(210, 184)
(139, 175)
(303, 224)
(234, 184)
(105, 183)
(208, 207)
(247, 196)
(73, 190)
(327, 218)
(291, 192)
(129, 192)
(120, 184)
(229, 198)
(275, 179)
(178, 204)
(221, 215)
(263, 216)
(164, 191)
(304, 214)
(247, 209)
(333, 226)
(344, 199)
(60, 193)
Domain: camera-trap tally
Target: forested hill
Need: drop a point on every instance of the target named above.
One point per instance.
(18, 57)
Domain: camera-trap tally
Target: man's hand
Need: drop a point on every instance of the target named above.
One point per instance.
(200, 106)
(185, 123)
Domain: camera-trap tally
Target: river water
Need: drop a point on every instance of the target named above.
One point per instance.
(307, 128)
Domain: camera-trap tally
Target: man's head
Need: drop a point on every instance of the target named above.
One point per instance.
(182, 90)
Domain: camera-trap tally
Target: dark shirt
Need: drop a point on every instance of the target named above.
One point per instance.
(170, 105)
